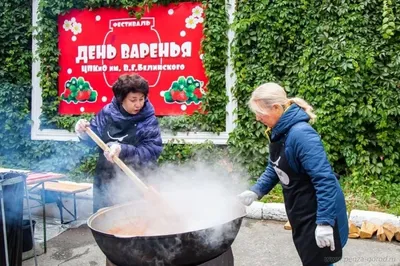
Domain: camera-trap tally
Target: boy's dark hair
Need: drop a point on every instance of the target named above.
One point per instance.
(127, 83)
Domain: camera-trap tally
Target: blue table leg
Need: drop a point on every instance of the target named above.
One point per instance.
(30, 221)
(44, 218)
(4, 228)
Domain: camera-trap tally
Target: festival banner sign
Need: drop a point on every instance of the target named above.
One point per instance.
(164, 47)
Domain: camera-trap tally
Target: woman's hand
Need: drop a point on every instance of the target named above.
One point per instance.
(324, 236)
(247, 197)
(80, 128)
(115, 150)
(81, 125)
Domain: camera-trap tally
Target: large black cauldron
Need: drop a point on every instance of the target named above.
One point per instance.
(187, 248)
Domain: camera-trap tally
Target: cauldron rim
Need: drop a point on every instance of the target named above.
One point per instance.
(151, 237)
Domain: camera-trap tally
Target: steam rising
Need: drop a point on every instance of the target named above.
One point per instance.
(201, 195)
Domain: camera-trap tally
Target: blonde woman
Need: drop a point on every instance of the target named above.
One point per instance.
(314, 201)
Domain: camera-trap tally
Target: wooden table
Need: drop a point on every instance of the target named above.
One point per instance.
(69, 189)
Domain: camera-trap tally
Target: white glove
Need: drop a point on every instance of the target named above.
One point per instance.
(248, 197)
(115, 150)
(80, 128)
(324, 236)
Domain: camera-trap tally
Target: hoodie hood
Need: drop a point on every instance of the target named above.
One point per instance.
(293, 115)
(113, 109)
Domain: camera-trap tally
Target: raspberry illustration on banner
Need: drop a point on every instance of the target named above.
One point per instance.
(186, 90)
(78, 90)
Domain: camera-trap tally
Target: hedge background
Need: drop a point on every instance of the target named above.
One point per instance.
(341, 57)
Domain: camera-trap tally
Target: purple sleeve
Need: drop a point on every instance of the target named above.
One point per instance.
(97, 123)
(149, 147)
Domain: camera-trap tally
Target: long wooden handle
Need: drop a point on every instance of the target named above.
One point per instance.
(142, 186)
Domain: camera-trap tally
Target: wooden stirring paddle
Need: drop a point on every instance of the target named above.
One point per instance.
(139, 183)
(149, 192)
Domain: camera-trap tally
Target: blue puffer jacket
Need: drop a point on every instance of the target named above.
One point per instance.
(148, 136)
(305, 153)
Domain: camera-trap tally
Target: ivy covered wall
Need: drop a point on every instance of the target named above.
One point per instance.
(341, 57)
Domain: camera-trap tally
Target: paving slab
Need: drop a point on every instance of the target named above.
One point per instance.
(261, 243)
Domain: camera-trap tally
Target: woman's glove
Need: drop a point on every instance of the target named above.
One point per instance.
(115, 149)
(80, 128)
(324, 236)
(248, 197)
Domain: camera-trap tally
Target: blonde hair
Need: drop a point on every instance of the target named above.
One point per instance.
(271, 93)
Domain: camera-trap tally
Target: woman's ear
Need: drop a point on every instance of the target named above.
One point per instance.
(278, 108)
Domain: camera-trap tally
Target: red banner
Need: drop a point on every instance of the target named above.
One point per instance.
(164, 46)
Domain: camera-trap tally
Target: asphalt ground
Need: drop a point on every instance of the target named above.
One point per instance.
(259, 243)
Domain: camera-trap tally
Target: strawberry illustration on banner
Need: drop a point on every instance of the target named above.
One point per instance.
(184, 91)
(78, 90)
(164, 47)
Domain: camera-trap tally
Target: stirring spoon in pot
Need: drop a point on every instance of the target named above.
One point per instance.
(149, 192)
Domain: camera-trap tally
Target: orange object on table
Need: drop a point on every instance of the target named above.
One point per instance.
(41, 177)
